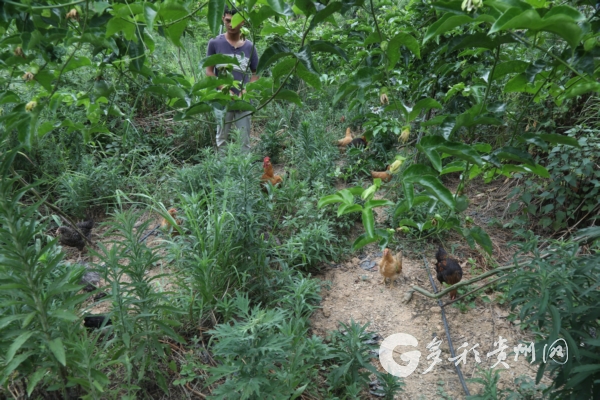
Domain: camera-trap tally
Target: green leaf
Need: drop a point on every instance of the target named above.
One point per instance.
(455, 166)
(323, 46)
(509, 67)
(450, 21)
(45, 79)
(16, 345)
(57, 348)
(462, 203)
(393, 50)
(77, 62)
(308, 77)
(514, 154)
(348, 208)
(240, 105)
(423, 105)
(277, 5)
(405, 207)
(462, 151)
(215, 15)
(174, 32)
(368, 221)
(582, 88)
(325, 13)
(289, 95)
(435, 187)
(219, 59)
(417, 170)
(378, 203)
(34, 379)
(482, 238)
(305, 58)
(362, 241)
(433, 156)
(118, 24)
(273, 29)
(369, 192)
(272, 54)
(306, 6)
(11, 366)
(409, 192)
(149, 14)
(331, 199)
(559, 139)
(559, 23)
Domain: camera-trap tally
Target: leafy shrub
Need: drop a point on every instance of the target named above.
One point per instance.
(262, 357)
(572, 192)
(556, 296)
(38, 301)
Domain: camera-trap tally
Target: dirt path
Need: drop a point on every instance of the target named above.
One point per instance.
(352, 292)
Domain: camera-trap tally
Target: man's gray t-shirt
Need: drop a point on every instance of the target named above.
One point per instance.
(246, 55)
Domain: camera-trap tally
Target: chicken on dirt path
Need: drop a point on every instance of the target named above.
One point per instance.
(68, 236)
(448, 270)
(390, 266)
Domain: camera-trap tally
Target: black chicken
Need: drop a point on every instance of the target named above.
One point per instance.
(67, 236)
(96, 321)
(448, 270)
(358, 142)
(91, 279)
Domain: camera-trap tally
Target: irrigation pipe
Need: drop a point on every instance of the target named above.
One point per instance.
(458, 371)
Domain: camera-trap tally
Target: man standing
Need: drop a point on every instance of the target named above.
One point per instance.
(233, 44)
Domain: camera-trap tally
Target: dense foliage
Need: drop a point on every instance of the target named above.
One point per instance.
(105, 108)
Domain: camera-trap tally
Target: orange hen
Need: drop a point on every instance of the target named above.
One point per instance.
(347, 139)
(390, 266)
(385, 176)
(269, 175)
(166, 226)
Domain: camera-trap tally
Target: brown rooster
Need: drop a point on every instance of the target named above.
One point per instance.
(347, 139)
(448, 270)
(269, 175)
(390, 266)
(166, 226)
(385, 176)
(67, 236)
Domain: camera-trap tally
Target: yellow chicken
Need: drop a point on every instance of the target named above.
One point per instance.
(166, 226)
(347, 139)
(390, 266)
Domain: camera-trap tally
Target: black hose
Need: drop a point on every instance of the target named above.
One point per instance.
(456, 366)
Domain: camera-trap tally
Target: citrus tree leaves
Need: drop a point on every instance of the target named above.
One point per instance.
(401, 39)
(215, 14)
(564, 21)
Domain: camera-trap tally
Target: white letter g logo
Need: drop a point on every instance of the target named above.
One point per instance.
(386, 351)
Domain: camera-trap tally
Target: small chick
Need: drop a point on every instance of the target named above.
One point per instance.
(347, 139)
(67, 236)
(390, 266)
(385, 176)
(166, 226)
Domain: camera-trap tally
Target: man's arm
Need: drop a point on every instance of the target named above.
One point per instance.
(210, 50)
(210, 71)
